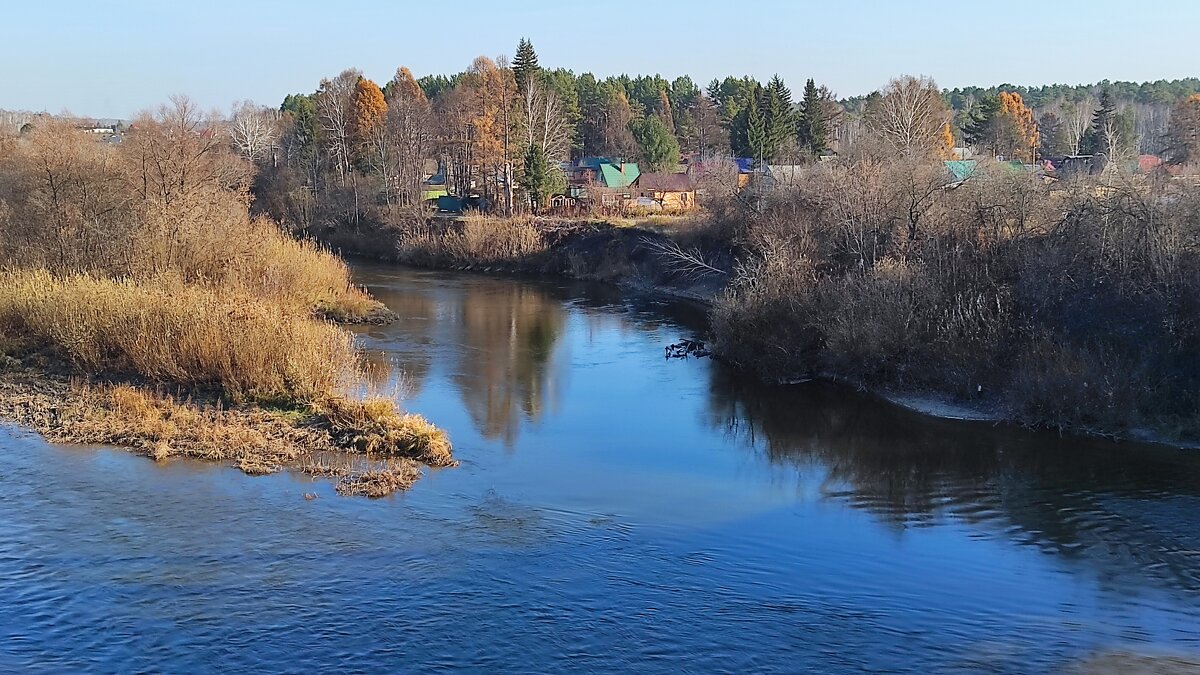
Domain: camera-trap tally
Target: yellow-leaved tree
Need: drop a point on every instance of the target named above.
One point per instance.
(1018, 132)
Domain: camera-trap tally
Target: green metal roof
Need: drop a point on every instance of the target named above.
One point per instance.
(961, 168)
(613, 177)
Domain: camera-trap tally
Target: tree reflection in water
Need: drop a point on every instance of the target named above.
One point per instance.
(1071, 497)
(508, 333)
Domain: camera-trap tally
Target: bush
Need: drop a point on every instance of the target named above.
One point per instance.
(1077, 307)
(168, 331)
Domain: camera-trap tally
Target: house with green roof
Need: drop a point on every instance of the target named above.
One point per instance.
(619, 176)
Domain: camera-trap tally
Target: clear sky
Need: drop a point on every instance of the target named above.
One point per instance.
(112, 58)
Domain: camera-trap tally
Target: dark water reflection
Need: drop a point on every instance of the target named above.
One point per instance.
(614, 512)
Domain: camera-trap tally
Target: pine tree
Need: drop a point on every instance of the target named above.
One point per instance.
(658, 144)
(525, 63)
(981, 124)
(813, 127)
(756, 129)
(778, 118)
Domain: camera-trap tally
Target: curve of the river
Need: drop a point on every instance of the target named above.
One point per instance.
(614, 511)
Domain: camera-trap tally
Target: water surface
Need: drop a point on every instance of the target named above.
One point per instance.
(614, 511)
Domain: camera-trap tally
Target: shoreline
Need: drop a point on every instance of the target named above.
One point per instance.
(932, 404)
(333, 441)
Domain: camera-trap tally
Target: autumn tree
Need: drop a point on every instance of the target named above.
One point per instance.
(908, 116)
(370, 109)
(1004, 125)
(664, 111)
(372, 149)
(1183, 132)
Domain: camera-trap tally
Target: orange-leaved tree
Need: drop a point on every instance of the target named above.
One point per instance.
(1018, 130)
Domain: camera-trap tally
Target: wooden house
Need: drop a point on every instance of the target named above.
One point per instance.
(671, 191)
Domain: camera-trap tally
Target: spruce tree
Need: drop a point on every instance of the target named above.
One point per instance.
(756, 129)
(536, 180)
(778, 118)
(813, 127)
(1095, 140)
(525, 63)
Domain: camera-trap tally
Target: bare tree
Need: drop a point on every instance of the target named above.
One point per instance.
(910, 115)
(335, 111)
(544, 122)
(409, 135)
(254, 130)
(1077, 119)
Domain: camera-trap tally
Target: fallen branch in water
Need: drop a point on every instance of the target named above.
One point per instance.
(686, 348)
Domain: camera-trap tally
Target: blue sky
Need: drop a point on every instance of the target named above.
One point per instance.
(116, 57)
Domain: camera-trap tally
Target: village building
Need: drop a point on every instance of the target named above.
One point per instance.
(669, 191)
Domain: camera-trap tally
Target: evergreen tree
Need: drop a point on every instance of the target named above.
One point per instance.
(778, 118)
(525, 63)
(981, 124)
(658, 144)
(756, 129)
(1095, 140)
(1053, 135)
(538, 177)
(813, 127)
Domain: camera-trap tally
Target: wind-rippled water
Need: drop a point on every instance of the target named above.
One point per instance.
(614, 511)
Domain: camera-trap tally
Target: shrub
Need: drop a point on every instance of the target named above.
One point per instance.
(167, 331)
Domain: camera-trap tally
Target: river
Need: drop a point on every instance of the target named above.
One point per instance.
(614, 511)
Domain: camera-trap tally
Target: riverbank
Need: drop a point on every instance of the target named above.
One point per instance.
(656, 262)
(672, 258)
(365, 447)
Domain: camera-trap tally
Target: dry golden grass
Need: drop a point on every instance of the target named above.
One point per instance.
(257, 441)
(376, 427)
(379, 482)
(170, 332)
(473, 241)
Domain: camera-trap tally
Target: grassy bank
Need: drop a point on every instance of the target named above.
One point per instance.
(142, 306)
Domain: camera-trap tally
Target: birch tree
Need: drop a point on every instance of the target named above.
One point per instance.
(335, 114)
(910, 114)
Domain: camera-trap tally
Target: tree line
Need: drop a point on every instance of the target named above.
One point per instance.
(499, 130)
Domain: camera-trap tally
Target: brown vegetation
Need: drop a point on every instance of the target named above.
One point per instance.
(141, 263)
(1072, 307)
